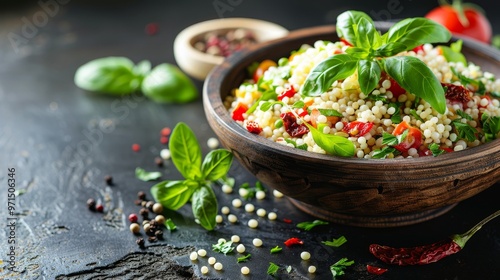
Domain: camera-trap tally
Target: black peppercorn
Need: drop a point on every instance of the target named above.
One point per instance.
(141, 195)
(109, 180)
(137, 202)
(150, 204)
(140, 241)
(159, 234)
(144, 213)
(91, 204)
(152, 239)
(159, 161)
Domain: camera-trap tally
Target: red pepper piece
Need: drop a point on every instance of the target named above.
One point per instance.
(291, 125)
(239, 111)
(253, 127)
(357, 128)
(427, 254)
(288, 221)
(288, 92)
(293, 241)
(375, 270)
(418, 49)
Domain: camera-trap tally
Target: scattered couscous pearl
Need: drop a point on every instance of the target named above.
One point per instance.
(227, 189)
(160, 219)
(261, 212)
(253, 223)
(240, 248)
(249, 207)
(243, 192)
(135, 228)
(235, 238)
(311, 269)
(218, 266)
(245, 270)
(211, 261)
(305, 256)
(204, 269)
(165, 154)
(277, 194)
(257, 242)
(225, 210)
(260, 195)
(219, 219)
(272, 216)
(202, 252)
(193, 256)
(157, 208)
(237, 202)
(212, 143)
(232, 218)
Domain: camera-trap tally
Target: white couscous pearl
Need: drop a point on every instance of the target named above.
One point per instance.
(260, 195)
(240, 248)
(219, 219)
(237, 202)
(204, 269)
(218, 266)
(272, 216)
(243, 192)
(311, 269)
(193, 256)
(245, 270)
(221, 240)
(235, 238)
(305, 256)
(202, 252)
(253, 223)
(212, 260)
(165, 154)
(232, 218)
(257, 242)
(212, 143)
(225, 210)
(261, 212)
(249, 207)
(277, 194)
(227, 188)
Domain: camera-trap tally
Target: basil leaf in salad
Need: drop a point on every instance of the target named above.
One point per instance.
(185, 151)
(367, 36)
(389, 49)
(332, 144)
(347, 24)
(204, 205)
(413, 32)
(436, 150)
(414, 76)
(369, 73)
(453, 53)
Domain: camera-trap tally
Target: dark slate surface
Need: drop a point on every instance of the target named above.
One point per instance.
(62, 142)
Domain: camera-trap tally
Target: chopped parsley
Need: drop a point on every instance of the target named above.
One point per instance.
(224, 247)
(310, 225)
(335, 242)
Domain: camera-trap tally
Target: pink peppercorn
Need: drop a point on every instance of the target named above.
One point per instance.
(136, 147)
(133, 218)
(99, 208)
(165, 131)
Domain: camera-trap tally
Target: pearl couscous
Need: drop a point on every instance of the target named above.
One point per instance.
(364, 118)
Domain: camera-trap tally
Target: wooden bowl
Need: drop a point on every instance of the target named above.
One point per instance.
(351, 191)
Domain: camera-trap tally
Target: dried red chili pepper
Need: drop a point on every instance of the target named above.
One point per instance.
(293, 241)
(427, 253)
(375, 270)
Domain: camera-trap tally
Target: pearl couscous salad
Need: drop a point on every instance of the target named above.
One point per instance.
(392, 95)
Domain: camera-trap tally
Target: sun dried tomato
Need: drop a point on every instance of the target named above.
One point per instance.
(375, 270)
(357, 128)
(291, 125)
(456, 93)
(293, 241)
(253, 127)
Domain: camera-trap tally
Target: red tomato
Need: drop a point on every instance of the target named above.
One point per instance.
(476, 26)
(345, 42)
(239, 111)
(263, 66)
(357, 128)
(412, 140)
(288, 92)
(395, 88)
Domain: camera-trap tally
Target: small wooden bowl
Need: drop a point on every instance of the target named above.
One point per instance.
(198, 64)
(351, 191)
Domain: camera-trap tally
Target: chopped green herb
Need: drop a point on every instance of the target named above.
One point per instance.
(393, 140)
(491, 126)
(335, 242)
(453, 53)
(383, 153)
(224, 247)
(251, 191)
(436, 150)
(413, 112)
(396, 117)
(302, 147)
(226, 180)
(272, 269)
(276, 249)
(144, 175)
(464, 130)
(310, 225)
(244, 258)
(338, 268)
(169, 224)
(479, 85)
(464, 115)
(289, 269)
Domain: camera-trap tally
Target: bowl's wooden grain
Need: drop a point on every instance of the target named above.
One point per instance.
(360, 192)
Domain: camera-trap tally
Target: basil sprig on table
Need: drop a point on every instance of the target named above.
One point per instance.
(372, 53)
(199, 176)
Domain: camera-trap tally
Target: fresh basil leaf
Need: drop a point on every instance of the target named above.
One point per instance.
(142, 68)
(436, 150)
(168, 84)
(185, 151)
(413, 112)
(109, 75)
(338, 268)
(415, 76)
(335, 242)
(332, 144)
(216, 164)
(369, 73)
(267, 95)
(464, 115)
(346, 22)
(457, 46)
(383, 153)
(299, 104)
(453, 53)
(389, 139)
(413, 32)
(390, 49)
(367, 35)
(307, 226)
(359, 53)
(144, 175)
(172, 194)
(322, 76)
(204, 204)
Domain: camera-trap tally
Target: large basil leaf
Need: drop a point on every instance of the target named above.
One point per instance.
(332, 144)
(414, 76)
(356, 52)
(110, 75)
(185, 151)
(168, 84)
(413, 32)
(367, 36)
(204, 204)
(173, 194)
(321, 77)
(453, 53)
(216, 164)
(389, 49)
(369, 73)
(347, 23)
